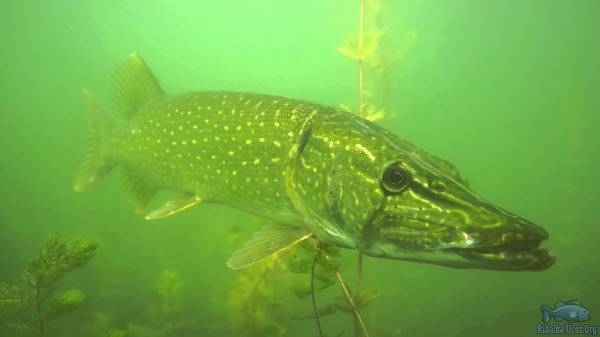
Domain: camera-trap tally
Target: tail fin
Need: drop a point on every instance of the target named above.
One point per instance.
(95, 165)
(546, 313)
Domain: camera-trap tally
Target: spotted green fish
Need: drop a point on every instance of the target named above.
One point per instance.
(314, 171)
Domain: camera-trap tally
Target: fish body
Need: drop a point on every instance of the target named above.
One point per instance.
(571, 311)
(228, 148)
(315, 171)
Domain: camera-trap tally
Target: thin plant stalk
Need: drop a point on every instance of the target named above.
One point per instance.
(348, 297)
(38, 306)
(359, 269)
(360, 61)
(312, 292)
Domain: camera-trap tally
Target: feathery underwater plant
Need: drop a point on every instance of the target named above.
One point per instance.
(24, 311)
(374, 62)
(322, 263)
(362, 50)
(258, 301)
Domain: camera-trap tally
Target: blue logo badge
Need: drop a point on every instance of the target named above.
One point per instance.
(569, 312)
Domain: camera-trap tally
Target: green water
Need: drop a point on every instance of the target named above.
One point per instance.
(507, 91)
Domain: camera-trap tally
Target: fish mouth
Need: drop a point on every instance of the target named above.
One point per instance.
(514, 246)
(526, 255)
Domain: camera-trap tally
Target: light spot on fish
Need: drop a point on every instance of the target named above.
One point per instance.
(364, 151)
(276, 143)
(256, 161)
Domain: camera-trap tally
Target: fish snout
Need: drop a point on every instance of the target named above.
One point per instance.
(512, 243)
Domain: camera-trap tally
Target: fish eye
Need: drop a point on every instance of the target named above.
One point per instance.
(394, 178)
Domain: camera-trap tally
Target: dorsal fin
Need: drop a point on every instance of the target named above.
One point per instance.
(134, 86)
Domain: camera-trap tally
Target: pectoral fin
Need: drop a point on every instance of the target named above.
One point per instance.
(268, 241)
(173, 206)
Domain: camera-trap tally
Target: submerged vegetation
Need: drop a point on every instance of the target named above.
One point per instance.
(26, 310)
(260, 302)
(371, 50)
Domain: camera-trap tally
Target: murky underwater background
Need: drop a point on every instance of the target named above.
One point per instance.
(507, 91)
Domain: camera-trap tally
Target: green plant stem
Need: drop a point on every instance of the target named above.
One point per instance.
(346, 293)
(361, 66)
(359, 268)
(312, 292)
(38, 306)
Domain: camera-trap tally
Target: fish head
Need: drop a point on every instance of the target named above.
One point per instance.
(583, 314)
(393, 200)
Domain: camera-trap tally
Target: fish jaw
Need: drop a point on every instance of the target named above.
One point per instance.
(488, 238)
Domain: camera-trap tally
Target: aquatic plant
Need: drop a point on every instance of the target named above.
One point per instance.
(323, 263)
(256, 300)
(259, 304)
(25, 310)
(166, 311)
(169, 287)
(362, 49)
(163, 314)
(370, 51)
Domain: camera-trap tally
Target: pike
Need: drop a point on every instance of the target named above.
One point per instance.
(314, 171)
